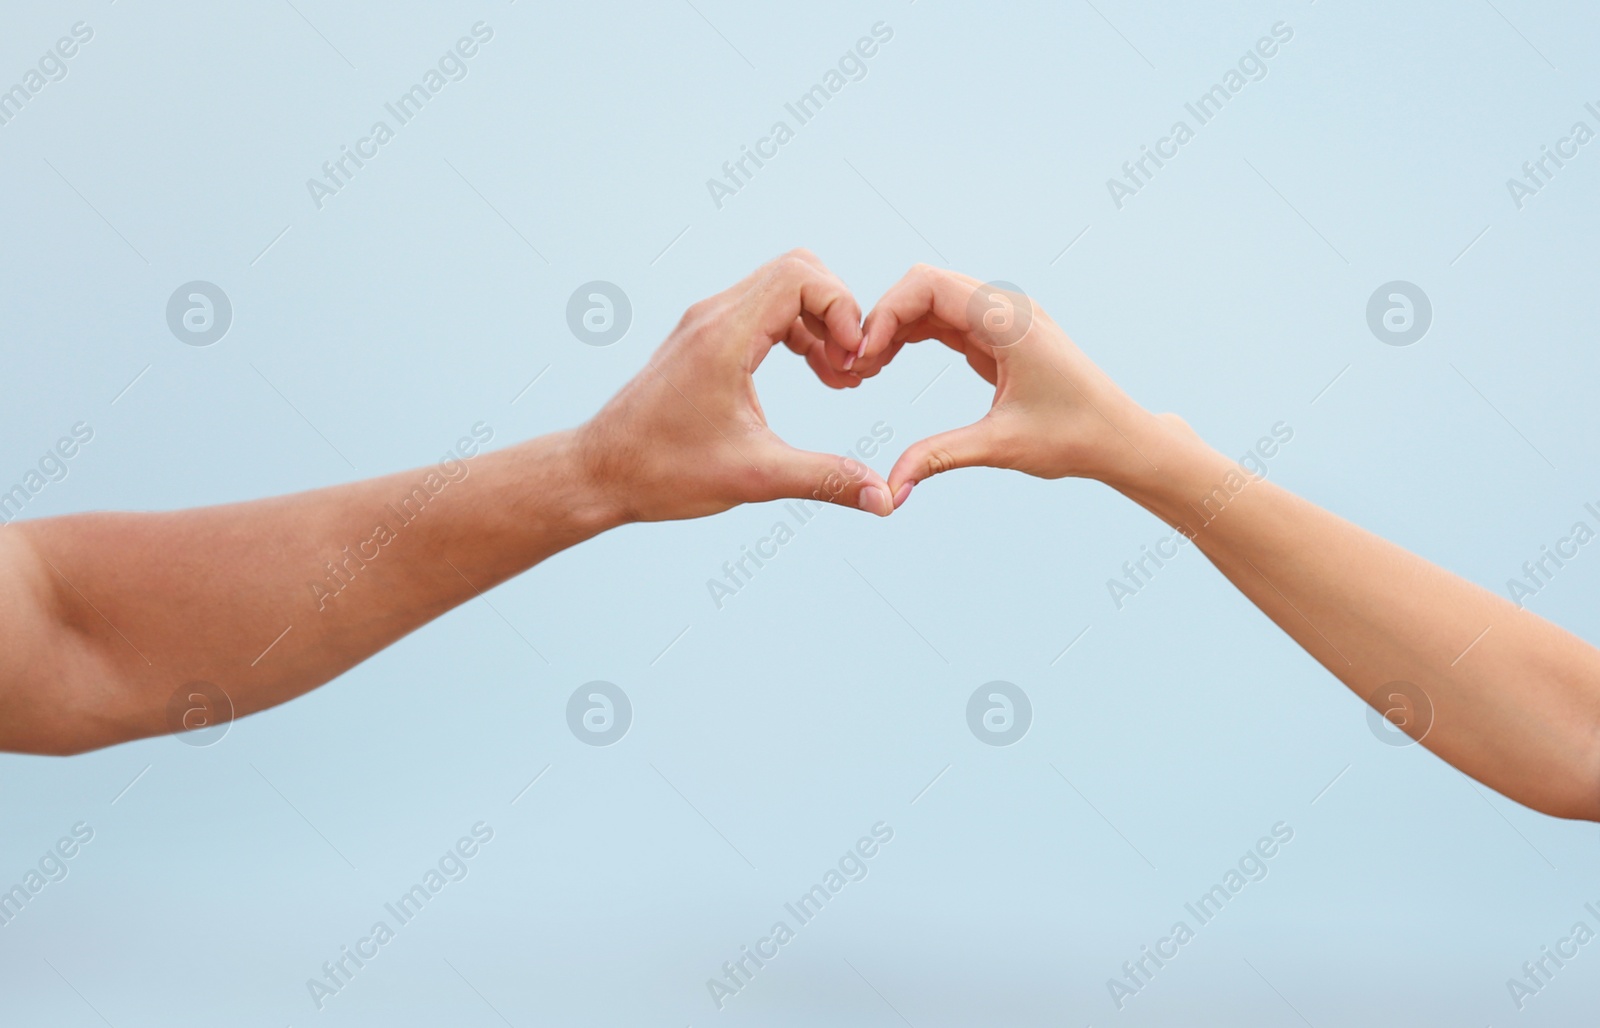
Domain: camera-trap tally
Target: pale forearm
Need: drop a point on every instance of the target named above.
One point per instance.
(1515, 700)
(149, 602)
(1502, 695)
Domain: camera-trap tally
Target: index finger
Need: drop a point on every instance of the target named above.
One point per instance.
(799, 284)
(931, 300)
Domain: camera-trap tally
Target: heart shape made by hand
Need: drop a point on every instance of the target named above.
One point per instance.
(687, 437)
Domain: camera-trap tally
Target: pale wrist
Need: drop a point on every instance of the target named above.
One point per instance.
(1173, 466)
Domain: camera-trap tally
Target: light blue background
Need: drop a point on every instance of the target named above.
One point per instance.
(1170, 737)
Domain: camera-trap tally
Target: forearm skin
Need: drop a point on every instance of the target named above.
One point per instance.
(141, 603)
(1515, 699)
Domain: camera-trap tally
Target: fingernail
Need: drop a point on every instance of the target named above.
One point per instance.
(873, 501)
(850, 360)
(901, 493)
(861, 351)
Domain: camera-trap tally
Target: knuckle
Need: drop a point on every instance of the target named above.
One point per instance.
(698, 313)
(790, 267)
(925, 278)
(938, 461)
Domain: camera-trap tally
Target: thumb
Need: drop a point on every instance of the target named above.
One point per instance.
(972, 446)
(825, 478)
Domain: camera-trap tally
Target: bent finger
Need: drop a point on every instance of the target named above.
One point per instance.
(927, 298)
(795, 286)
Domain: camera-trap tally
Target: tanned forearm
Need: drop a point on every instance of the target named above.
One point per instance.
(132, 606)
(106, 620)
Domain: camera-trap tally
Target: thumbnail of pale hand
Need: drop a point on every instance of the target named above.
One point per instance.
(1515, 700)
(105, 616)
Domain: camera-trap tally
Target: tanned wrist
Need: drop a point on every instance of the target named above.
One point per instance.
(589, 493)
(599, 485)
